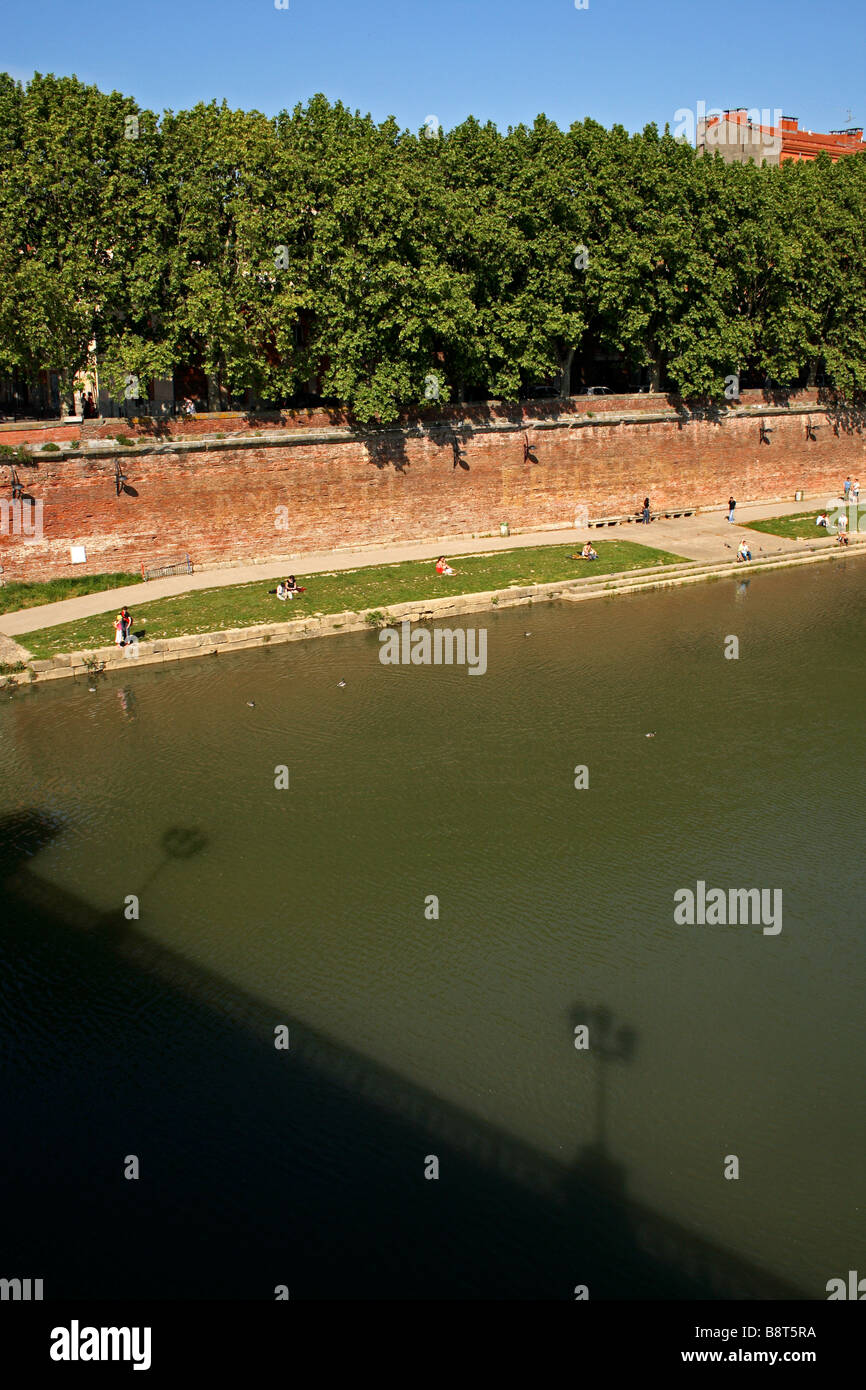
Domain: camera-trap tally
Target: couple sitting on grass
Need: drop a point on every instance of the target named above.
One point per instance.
(287, 589)
(586, 554)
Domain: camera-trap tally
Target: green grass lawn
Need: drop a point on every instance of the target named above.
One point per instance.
(374, 587)
(801, 526)
(15, 596)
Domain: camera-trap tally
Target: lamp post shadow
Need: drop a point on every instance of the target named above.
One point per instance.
(596, 1182)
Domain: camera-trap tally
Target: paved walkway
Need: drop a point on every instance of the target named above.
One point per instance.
(707, 536)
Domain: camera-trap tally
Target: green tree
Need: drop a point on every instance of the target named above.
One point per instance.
(52, 233)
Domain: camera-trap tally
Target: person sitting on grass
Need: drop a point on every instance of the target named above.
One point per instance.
(822, 520)
(442, 566)
(588, 553)
(288, 588)
(743, 553)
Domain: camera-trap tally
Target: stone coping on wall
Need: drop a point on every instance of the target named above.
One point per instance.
(146, 653)
(299, 438)
(516, 412)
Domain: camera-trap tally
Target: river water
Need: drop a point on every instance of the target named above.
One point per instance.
(167, 911)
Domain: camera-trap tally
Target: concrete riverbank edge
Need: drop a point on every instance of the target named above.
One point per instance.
(114, 658)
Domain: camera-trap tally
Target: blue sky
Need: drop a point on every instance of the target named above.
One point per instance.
(626, 61)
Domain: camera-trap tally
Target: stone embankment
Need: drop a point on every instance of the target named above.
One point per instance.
(144, 653)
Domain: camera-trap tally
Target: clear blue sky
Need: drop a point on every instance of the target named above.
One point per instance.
(626, 61)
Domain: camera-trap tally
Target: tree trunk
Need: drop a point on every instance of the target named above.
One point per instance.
(565, 373)
(656, 373)
(67, 394)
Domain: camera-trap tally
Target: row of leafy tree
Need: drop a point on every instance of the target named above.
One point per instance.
(397, 266)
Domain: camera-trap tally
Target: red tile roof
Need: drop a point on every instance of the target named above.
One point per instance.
(796, 143)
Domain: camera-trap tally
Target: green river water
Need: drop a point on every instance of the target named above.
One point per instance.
(414, 1036)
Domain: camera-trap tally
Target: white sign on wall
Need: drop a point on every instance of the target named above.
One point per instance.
(78, 555)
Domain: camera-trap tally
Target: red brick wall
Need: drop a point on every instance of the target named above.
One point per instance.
(38, 433)
(221, 503)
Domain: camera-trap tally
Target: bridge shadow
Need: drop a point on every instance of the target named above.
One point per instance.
(261, 1166)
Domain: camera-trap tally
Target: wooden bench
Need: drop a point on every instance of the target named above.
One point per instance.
(161, 569)
(637, 518)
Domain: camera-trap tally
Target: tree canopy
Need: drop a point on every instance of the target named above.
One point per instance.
(319, 254)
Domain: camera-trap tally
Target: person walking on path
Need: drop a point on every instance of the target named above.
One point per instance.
(855, 491)
(646, 510)
(731, 505)
(847, 488)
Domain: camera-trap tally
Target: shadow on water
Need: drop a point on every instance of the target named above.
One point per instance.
(603, 1047)
(262, 1167)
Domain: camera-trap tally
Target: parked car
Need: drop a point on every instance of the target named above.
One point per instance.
(597, 391)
